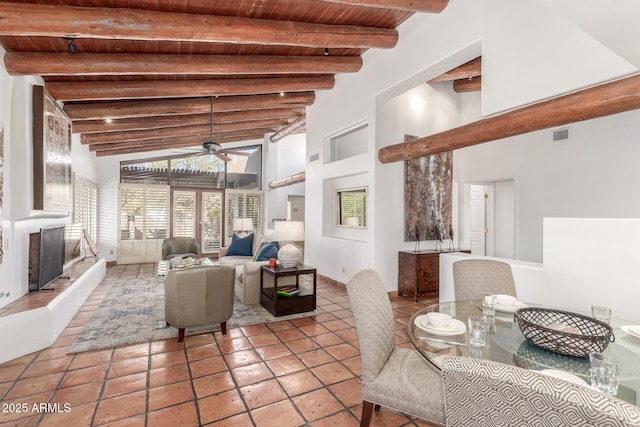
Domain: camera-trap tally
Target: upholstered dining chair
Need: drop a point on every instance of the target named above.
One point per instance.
(393, 377)
(472, 277)
(198, 296)
(483, 393)
(180, 247)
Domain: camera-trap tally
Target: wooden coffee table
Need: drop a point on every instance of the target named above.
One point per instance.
(279, 305)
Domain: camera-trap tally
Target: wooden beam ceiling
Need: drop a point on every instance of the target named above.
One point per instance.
(152, 122)
(150, 71)
(603, 100)
(176, 107)
(21, 19)
(82, 91)
(427, 6)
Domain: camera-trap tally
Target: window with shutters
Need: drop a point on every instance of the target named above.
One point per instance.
(85, 207)
(143, 222)
(243, 204)
(352, 207)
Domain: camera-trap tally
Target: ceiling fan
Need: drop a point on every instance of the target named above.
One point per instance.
(212, 147)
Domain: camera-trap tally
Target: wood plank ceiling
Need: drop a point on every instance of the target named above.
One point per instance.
(142, 75)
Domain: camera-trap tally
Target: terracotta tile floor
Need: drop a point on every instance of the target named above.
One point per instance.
(303, 372)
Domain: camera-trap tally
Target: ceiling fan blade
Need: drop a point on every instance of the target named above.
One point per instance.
(222, 156)
(237, 153)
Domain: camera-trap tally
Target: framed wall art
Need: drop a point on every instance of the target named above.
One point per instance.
(52, 180)
(428, 199)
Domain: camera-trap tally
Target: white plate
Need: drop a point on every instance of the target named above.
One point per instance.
(565, 376)
(633, 330)
(456, 327)
(511, 308)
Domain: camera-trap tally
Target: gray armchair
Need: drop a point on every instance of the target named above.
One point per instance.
(483, 393)
(393, 377)
(180, 247)
(198, 296)
(472, 277)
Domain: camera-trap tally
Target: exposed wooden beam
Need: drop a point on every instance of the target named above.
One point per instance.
(169, 107)
(23, 19)
(473, 84)
(603, 100)
(168, 143)
(292, 127)
(472, 68)
(425, 6)
(289, 180)
(140, 135)
(120, 64)
(84, 91)
(140, 123)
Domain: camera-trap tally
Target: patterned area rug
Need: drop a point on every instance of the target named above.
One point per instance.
(133, 312)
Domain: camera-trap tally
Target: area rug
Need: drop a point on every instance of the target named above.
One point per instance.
(133, 312)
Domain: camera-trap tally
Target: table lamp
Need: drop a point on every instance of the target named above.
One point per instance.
(289, 254)
(351, 221)
(242, 226)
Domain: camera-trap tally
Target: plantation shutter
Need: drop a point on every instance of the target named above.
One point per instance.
(184, 213)
(85, 209)
(143, 222)
(244, 204)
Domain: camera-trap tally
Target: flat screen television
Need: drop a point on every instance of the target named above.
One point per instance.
(50, 255)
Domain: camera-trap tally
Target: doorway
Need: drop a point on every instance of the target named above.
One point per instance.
(198, 213)
(491, 219)
(295, 208)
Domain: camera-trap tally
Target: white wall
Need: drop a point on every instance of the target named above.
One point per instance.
(529, 52)
(18, 217)
(282, 159)
(578, 271)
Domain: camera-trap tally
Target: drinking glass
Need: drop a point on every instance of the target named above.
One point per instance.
(605, 373)
(477, 330)
(488, 304)
(601, 313)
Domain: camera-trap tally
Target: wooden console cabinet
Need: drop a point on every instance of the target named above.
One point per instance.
(419, 273)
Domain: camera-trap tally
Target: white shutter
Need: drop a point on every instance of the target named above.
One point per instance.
(143, 222)
(184, 213)
(211, 221)
(85, 206)
(244, 204)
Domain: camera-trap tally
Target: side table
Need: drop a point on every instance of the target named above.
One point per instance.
(279, 305)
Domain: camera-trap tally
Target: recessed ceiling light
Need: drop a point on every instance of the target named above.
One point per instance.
(108, 120)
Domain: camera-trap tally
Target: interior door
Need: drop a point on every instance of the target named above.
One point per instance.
(198, 214)
(477, 217)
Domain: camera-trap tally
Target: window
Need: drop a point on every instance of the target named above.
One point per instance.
(244, 204)
(85, 206)
(352, 207)
(144, 212)
(243, 170)
(348, 143)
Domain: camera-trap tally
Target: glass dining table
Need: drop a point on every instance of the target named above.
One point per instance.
(505, 343)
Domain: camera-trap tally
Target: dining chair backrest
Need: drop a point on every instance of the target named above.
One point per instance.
(397, 378)
(484, 393)
(472, 277)
(374, 321)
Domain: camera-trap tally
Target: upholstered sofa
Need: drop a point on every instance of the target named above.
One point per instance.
(247, 284)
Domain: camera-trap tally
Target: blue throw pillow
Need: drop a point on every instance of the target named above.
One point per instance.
(268, 251)
(241, 246)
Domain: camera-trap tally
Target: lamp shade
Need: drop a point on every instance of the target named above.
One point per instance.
(242, 224)
(288, 231)
(351, 221)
